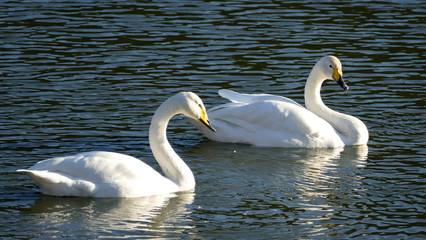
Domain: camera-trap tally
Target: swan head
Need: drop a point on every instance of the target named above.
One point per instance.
(331, 68)
(193, 107)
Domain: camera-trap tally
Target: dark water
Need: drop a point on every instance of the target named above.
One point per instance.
(87, 75)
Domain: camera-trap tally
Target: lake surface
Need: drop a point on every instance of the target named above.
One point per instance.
(79, 76)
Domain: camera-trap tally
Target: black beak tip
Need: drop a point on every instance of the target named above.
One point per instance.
(208, 125)
(342, 84)
(211, 128)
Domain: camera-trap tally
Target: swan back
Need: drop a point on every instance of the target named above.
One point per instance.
(252, 98)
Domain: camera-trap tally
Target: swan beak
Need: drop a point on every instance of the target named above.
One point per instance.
(205, 120)
(337, 76)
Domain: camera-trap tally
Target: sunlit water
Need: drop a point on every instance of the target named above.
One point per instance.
(87, 75)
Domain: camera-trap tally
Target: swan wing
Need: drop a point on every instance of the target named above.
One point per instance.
(252, 98)
(97, 174)
(268, 123)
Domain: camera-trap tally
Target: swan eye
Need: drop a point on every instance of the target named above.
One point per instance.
(331, 66)
(201, 106)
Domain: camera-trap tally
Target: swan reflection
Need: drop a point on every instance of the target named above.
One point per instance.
(299, 173)
(279, 159)
(296, 186)
(331, 172)
(149, 216)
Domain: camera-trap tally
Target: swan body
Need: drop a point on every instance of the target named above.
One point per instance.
(274, 121)
(109, 174)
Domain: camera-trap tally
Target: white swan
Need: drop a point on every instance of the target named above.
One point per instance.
(108, 174)
(274, 121)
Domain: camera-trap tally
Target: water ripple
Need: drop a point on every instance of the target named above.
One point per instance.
(86, 75)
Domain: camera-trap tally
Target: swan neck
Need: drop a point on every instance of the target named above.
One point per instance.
(351, 130)
(313, 99)
(172, 165)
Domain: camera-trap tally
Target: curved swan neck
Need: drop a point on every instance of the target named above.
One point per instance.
(351, 129)
(313, 99)
(171, 164)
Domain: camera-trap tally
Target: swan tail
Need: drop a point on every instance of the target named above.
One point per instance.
(59, 184)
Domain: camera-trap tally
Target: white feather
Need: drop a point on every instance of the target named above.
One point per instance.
(275, 121)
(109, 174)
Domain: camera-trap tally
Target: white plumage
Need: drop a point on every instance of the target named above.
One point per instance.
(274, 121)
(109, 174)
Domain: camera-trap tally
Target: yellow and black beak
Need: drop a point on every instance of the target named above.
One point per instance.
(205, 120)
(337, 76)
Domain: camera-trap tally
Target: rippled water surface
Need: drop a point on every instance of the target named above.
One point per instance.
(87, 75)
